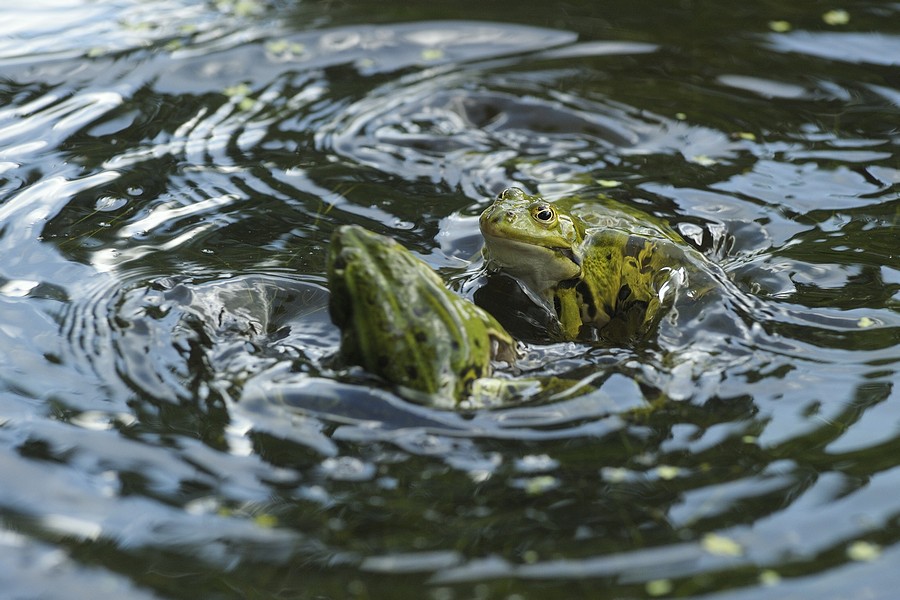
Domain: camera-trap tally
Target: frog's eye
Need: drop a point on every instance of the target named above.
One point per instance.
(543, 213)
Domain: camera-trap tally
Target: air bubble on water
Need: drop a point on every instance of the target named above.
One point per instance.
(536, 463)
(347, 468)
(18, 288)
(339, 41)
(73, 526)
(479, 476)
(703, 160)
(109, 203)
(104, 260)
(95, 420)
(202, 506)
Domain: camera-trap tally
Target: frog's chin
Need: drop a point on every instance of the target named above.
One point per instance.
(536, 266)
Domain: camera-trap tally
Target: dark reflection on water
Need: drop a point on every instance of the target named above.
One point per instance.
(171, 421)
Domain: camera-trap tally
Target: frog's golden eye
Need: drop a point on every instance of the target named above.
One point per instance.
(543, 213)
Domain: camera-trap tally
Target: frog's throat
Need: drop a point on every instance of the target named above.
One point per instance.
(538, 267)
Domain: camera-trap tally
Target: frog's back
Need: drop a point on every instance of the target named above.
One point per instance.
(603, 213)
(632, 265)
(399, 321)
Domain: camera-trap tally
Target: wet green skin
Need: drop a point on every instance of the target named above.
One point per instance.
(399, 321)
(603, 269)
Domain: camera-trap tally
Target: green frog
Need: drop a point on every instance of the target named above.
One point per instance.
(399, 321)
(605, 270)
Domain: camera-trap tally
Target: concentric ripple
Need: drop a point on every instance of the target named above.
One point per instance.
(479, 136)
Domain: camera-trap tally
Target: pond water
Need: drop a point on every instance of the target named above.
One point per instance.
(171, 425)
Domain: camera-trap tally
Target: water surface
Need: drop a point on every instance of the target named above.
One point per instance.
(170, 421)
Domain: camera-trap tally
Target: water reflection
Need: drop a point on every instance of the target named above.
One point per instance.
(169, 177)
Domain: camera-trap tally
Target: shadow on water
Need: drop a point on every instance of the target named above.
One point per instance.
(171, 423)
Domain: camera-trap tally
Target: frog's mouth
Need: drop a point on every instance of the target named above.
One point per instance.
(568, 254)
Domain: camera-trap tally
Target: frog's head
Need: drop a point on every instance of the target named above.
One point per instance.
(531, 239)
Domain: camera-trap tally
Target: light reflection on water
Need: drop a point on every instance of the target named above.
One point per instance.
(170, 174)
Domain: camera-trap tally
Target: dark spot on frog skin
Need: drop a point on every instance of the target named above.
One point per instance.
(412, 372)
(586, 299)
(637, 310)
(634, 245)
(624, 292)
(420, 337)
(471, 374)
(339, 263)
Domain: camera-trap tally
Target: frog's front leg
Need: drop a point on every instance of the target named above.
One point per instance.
(575, 310)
